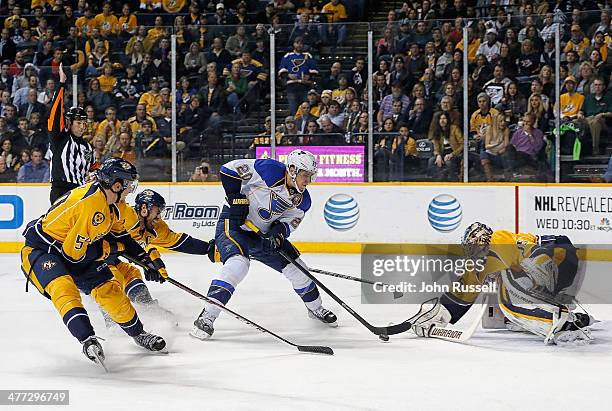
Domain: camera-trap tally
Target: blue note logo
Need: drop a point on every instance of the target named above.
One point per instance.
(444, 213)
(341, 212)
(16, 220)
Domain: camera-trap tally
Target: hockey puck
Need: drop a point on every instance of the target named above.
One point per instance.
(384, 337)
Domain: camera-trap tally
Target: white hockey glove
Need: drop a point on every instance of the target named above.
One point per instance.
(542, 270)
(431, 315)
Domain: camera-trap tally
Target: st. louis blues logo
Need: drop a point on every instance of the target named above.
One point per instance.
(278, 206)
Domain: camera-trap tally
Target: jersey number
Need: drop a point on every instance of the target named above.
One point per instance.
(80, 240)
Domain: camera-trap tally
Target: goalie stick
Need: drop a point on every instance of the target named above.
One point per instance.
(382, 332)
(317, 349)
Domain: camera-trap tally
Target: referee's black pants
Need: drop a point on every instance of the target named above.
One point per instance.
(59, 188)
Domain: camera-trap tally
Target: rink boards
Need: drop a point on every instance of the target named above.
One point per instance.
(343, 217)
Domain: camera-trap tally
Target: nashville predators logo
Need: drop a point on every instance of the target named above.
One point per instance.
(126, 165)
(49, 264)
(98, 218)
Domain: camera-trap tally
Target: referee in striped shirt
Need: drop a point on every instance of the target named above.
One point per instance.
(72, 156)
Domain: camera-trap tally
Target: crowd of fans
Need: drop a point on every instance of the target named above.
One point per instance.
(121, 53)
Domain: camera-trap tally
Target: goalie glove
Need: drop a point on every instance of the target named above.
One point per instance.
(542, 270)
(430, 316)
(155, 269)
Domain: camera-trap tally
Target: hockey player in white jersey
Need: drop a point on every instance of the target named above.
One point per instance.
(273, 196)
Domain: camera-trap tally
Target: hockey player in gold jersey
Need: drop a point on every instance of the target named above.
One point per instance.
(145, 225)
(531, 272)
(65, 251)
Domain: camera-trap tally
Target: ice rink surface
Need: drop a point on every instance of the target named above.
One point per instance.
(241, 368)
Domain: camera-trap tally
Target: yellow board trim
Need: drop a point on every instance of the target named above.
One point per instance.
(593, 254)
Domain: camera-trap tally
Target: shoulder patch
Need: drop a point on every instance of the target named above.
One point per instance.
(271, 171)
(98, 218)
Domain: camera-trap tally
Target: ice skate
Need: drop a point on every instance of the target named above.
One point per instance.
(150, 341)
(324, 315)
(203, 327)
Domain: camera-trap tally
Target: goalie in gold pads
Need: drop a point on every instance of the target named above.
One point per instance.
(145, 225)
(65, 251)
(532, 273)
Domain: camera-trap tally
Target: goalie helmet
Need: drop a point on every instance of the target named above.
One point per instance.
(301, 160)
(150, 198)
(476, 240)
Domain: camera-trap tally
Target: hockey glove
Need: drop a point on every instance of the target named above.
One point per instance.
(239, 207)
(213, 252)
(155, 269)
(430, 316)
(110, 247)
(274, 238)
(542, 270)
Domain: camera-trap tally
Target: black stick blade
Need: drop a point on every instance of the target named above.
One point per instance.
(399, 328)
(317, 349)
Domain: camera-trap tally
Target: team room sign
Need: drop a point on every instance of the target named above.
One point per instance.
(336, 164)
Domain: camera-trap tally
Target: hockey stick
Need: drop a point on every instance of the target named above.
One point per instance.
(382, 332)
(396, 294)
(318, 349)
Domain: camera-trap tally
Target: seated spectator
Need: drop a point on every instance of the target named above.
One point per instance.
(419, 119)
(203, 173)
(571, 102)
(513, 105)
(352, 115)
(385, 46)
(386, 106)
(330, 81)
(445, 164)
(124, 149)
(496, 86)
(128, 23)
(149, 144)
(382, 150)
(307, 31)
(7, 174)
(129, 88)
(400, 73)
(403, 154)
(164, 122)
(597, 108)
(99, 151)
(339, 94)
(334, 133)
(491, 49)
(585, 80)
(109, 127)
(139, 117)
(10, 117)
(8, 154)
(26, 138)
(263, 139)
(310, 136)
(525, 146)
(195, 60)
(31, 105)
(289, 132)
(335, 115)
(34, 171)
(238, 42)
(91, 127)
(314, 105)
(98, 98)
(46, 95)
(212, 101)
(359, 75)
(497, 139)
(578, 42)
(482, 118)
(301, 122)
(528, 61)
(541, 115)
(219, 55)
(151, 98)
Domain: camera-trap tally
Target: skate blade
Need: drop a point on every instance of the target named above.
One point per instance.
(199, 334)
(100, 362)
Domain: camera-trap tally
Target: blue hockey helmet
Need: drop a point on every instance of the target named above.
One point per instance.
(150, 198)
(115, 170)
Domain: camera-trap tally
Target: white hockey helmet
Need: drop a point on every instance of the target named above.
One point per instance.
(301, 160)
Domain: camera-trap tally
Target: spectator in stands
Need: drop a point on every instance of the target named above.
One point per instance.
(482, 118)
(129, 89)
(310, 135)
(263, 139)
(497, 139)
(236, 86)
(382, 150)
(107, 80)
(98, 98)
(473, 44)
(513, 105)
(359, 75)
(148, 142)
(99, 150)
(597, 108)
(403, 154)
(541, 114)
(585, 79)
(400, 73)
(213, 101)
(448, 150)
(525, 147)
(26, 138)
(571, 102)
(386, 106)
(572, 63)
(306, 31)
(91, 125)
(164, 122)
(334, 114)
(34, 171)
(151, 98)
(339, 94)
(352, 115)
(314, 105)
(8, 153)
(10, 116)
(481, 73)
(139, 117)
(336, 15)
(385, 46)
(195, 60)
(334, 131)
(416, 64)
(301, 122)
(528, 61)
(419, 119)
(109, 127)
(218, 54)
(25, 81)
(289, 131)
(238, 42)
(330, 82)
(298, 67)
(577, 42)
(8, 48)
(125, 149)
(7, 175)
(128, 23)
(203, 173)
(31, 105)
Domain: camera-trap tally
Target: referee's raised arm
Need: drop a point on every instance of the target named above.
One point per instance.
(56, 123)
